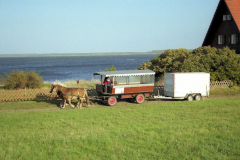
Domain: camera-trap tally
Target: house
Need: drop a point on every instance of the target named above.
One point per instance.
(224, 29)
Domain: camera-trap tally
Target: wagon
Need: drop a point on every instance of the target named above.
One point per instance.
(134, 85)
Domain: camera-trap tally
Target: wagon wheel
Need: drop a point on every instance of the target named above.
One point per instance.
(198, 97)
(112, 101)
(140, 98)
(190, 97)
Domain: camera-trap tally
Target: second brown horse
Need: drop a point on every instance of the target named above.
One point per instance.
(69, 94)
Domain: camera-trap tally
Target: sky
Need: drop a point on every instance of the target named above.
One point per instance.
(96, 26)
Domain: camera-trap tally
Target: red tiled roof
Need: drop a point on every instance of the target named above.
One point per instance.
(234, 8)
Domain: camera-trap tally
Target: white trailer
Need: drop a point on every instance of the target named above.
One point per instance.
(190, 86)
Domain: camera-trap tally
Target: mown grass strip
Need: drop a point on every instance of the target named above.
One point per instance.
(177, 130)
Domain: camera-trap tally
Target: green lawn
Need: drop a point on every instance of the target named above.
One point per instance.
(207, 129)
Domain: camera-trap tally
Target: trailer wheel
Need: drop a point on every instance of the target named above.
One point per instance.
(190, 97)
(140, 98)
(198, 97)
(112, 101)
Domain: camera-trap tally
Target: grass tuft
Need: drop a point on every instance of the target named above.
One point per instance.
(225, 91)
(87, 84)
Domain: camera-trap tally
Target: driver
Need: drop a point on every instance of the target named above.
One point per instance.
(105, 83)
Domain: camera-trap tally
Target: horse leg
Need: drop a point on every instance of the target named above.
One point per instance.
(61, 104)
(64, 102)
(69, 101)
(80, 103)
(86, 98)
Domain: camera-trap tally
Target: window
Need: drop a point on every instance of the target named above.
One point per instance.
(121, 80)
(229, 17)
(224, 17)
(233, 39)
(147, 79)
(220, 39)
(134, 79)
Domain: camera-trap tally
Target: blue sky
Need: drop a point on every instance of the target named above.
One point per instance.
(86, 26)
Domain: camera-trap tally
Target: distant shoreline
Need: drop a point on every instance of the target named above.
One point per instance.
(78, 54)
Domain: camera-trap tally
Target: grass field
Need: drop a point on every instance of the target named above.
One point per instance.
(207, 129)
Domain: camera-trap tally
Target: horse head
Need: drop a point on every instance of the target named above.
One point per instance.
(53, 86)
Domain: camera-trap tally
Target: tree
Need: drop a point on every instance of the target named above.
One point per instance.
(110, 69)
(15, 80)
(20, 80)
(222, 64)
(33, 80)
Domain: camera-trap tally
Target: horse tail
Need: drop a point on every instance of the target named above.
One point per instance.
(86, 97)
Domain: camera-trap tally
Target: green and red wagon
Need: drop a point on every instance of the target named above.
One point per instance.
(134, 85)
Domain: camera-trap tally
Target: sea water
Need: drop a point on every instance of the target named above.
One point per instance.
(72, 67)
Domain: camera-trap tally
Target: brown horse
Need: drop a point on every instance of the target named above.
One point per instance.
(69, 94)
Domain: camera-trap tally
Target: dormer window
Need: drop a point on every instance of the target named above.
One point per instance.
(227, 17)
(224, 17)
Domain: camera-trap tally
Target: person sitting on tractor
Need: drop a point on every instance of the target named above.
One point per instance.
(105, 83)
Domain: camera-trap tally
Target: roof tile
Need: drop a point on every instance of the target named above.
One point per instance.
(234, 8)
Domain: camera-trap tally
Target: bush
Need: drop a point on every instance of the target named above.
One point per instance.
(21, 80)
(111, 69)
(223, 64)
(33, 80)
(169, 61)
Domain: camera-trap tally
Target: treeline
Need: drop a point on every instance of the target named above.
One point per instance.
(20, 80)
(222, 64)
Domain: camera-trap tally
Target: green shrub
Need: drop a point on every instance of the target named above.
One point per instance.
(111, 69)
(33, 80)
(2, 81)
(15, 80)
(20, 79)
(223, 64)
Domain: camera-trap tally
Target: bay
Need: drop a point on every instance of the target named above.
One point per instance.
(72, 66)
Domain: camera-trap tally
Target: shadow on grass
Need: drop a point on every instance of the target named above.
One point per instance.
(53, 101)
(56, 102)
(165, 100)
